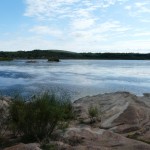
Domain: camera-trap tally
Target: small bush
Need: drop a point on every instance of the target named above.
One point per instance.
(5, 59)
(37, 118)
(93, 112)
(48, 147)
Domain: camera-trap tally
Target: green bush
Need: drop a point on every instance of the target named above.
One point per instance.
(36, 119)
(49, 147)
(93, 112)
(5, 59)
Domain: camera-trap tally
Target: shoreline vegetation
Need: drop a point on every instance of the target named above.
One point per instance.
(55, 55)
(51, 122)
(5, 59)
(34, 119)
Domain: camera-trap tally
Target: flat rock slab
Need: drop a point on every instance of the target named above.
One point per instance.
(120, 112)
(88, 139)
(21, 146)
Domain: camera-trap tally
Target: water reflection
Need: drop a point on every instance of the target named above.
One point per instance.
(77, 77)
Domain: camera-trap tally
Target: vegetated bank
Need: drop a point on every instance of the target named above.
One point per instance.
(61, 54)
(6, 59)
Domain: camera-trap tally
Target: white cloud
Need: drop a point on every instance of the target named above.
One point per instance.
(36, 42)
(52, 9)
(82, 23)
(138, 8)
(142, 34)
(128, 7)
(48, 9)
(18, 43)
(144, 20)
(100, 32)
(109, 27)
(45, 30)
(133, 45)
(143, 7)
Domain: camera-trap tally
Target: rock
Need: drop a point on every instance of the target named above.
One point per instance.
(5, 100)
(53, 59)
(4, 103)
(31, 61)
(121, 112)
(145, 99)
(21, 146)
(100, 139)
(58, 145)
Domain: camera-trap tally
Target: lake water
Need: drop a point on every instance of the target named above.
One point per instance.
(77, 77)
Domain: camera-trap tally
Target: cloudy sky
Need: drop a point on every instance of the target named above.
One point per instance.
(75, 25)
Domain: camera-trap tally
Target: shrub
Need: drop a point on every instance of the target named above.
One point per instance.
(36, 119)
(5, 59)
(93, 112)
(48, 147)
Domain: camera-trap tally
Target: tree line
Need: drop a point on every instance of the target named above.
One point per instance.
(44, 54)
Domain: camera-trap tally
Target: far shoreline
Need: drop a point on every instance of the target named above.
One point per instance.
(61, 54)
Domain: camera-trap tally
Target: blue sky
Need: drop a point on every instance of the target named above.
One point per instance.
(75, 25)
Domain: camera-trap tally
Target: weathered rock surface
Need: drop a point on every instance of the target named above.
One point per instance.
(99, 139)
(4, 103)
(21, 146)
(121, 112)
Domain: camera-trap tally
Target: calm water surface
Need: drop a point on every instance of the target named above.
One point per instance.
(77, 77)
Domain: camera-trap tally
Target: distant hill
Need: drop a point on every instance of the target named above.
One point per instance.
(62, 54)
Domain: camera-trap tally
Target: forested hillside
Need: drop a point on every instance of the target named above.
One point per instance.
(44, 54)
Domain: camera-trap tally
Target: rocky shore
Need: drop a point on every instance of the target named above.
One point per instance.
(123, 123)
